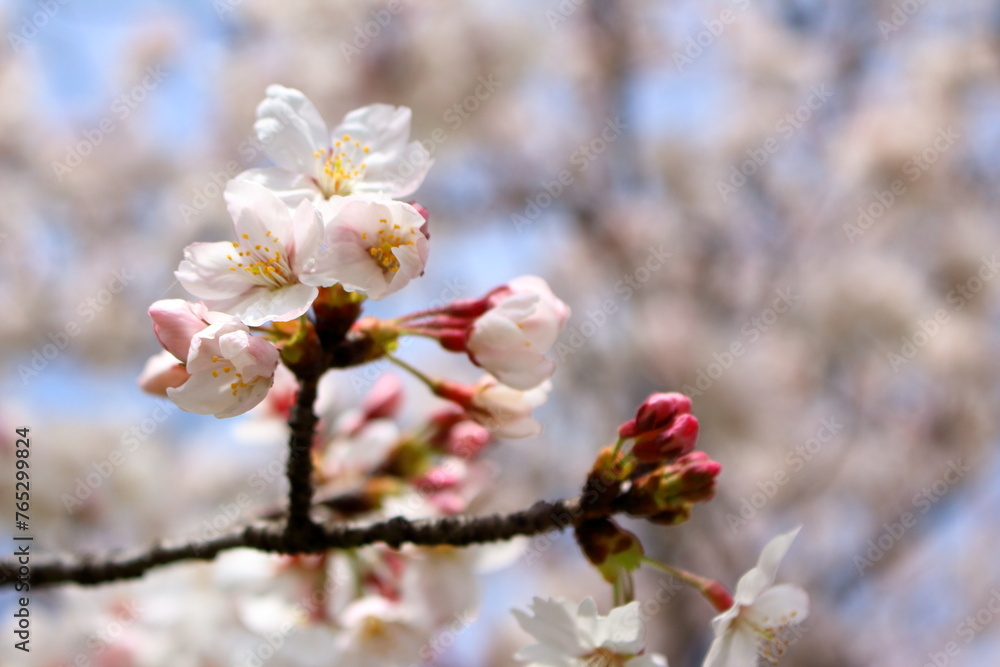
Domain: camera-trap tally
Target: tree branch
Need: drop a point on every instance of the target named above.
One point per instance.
(303, 420)
(542, 517)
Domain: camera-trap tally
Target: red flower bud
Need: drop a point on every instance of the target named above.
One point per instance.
(655, 414)
(677, 440)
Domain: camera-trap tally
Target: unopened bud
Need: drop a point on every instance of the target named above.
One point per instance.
(674, 441)
(655, 414)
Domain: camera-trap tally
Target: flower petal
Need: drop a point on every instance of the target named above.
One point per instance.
(175, 322)
(290, 187)
(553, 624)
(290, 128)
(754, 582)
(735, 648)
(779, 606)
(205, 273)
(259, 305)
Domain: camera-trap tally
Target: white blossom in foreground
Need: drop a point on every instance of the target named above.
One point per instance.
(271, 272)
(510, 339)
(230, 370)
(372, 247)
(761, 613)
(579, 637)
(367, 153)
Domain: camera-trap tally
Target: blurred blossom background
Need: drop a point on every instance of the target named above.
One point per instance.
(786, 210)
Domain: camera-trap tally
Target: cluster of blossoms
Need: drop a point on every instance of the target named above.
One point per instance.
(318, 234)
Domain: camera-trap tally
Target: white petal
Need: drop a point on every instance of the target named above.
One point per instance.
(205, 272)
(290, 187)
(774, 551)
(307, 238)
(290, 128)
(623, 631)
(553, 625)
(652, 660)
(394, 168)
(255, 211)
(528, 378)
(782, 605)
(733, 649)
(261, 304)
(754, 582)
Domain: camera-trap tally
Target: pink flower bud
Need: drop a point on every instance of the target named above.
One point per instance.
(162, 372)
(656, 413)
(175, 323)
(678, 439)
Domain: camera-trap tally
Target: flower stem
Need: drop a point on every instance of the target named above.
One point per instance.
(416, 373)
(711, 590)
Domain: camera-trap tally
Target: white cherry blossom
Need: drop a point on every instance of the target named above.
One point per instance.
(372, 247)
(271, 272)
(756, 624)
(367, 153)
(510, 339)
(230, 370)
(571, 636)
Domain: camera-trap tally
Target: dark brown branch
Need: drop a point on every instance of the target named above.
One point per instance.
(542, 517)
(299, 469)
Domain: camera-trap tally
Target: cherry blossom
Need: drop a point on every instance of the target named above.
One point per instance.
(367, 153)
(579, 637)
(756, 622)
(503, 410)
(511, 338)
(230, 370)
(372, 247)
(271, 272)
